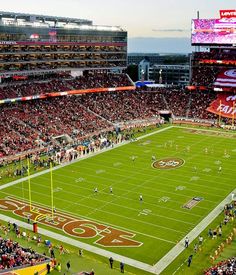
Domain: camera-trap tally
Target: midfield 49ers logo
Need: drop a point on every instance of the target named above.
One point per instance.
(168, 163)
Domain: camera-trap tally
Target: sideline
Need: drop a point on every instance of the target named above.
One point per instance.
(12, 183)
(193, 234)
(158, 268)
(220, 131)
(88, 247)
(165, 260)
(78, 244)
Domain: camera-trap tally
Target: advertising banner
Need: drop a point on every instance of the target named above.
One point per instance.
(227, 13)
(73, 92)
(224, 105)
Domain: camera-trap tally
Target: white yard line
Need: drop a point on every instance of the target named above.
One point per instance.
(78, 244)
(179, 248)
(162, 263)
(116, 197)
(80, 159)
(158, 267)
(100, 221)
(115, 214)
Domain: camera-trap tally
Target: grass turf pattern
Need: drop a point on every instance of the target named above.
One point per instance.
(159, 221)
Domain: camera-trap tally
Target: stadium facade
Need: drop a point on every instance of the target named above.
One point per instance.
(32, 43)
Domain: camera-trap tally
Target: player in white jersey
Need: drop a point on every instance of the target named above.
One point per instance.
(140, 198)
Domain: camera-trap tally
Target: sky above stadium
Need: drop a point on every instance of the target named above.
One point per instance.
(152, 25)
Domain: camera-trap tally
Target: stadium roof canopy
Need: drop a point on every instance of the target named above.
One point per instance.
(47, 21)
(37, 17)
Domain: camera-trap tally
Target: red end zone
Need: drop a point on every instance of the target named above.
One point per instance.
(106, 236)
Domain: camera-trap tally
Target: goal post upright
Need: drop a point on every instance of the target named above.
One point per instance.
(29, 184)
(233, 114)
(220, 113)
(52, 199)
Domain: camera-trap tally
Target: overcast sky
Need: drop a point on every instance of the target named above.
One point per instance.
(141, 18)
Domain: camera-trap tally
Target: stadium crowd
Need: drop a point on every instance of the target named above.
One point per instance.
(31, 125)
(227, 267)
(199, 102)
(60, 83)
(203, 75)
(35, 124)
(216, 54)
(125, 106)
(178, 101)
(13, 255)
(207, 65)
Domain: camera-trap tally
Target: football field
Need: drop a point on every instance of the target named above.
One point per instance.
(193, 172)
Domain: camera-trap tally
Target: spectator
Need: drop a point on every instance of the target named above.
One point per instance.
(13, 255)
(223, 267)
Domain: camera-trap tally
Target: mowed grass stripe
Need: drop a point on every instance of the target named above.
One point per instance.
(131, 179)
(72, 206)
(113, 180)
(106, 198)
(97, 205)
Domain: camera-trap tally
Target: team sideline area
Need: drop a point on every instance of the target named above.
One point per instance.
(134, 207)
(117, 162)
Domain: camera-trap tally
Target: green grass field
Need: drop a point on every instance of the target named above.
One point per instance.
(160, 220)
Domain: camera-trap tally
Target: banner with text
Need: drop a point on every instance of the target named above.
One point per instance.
(224, 105)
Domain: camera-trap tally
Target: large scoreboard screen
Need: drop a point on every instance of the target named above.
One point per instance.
(214, 31)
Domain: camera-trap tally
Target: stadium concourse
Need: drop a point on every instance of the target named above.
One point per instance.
(34, 124)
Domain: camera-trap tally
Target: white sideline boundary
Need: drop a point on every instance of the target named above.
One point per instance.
(157, 268)
(193, 234)
(166, 260)
(12, 183)
(78, 244)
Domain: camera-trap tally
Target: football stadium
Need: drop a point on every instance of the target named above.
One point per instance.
(99, 175)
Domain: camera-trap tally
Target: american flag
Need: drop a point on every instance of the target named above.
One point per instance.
(226, 78)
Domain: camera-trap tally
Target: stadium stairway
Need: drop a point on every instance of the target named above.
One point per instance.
(166, 104)
(131, 81)
(70, 87)
(188, 106)
(97, 115)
